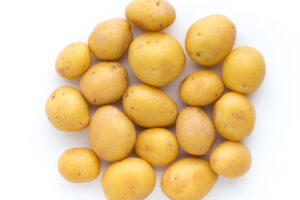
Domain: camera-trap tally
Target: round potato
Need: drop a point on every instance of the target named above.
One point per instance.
(156, 58)
(157, 146)
(131, 178)
(210, 39)
(79, 165)
(104, 83)
(149, 106)
(234, 116)
(188, 178)
(201, 88)
(230, 159)
(111, 134)
(67, 109)
(110, 39)
(244, 70)
(151, 15)
(73, 60)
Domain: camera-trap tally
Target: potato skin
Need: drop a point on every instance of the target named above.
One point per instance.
(151, 15)
(156, 58)
(201, 88)
(79, 165)
(188, 179)
(149, 106)
(244, 70)
(131, 178)
(110, 39)
(158, 146)
(111, 134)
(234, 116)
(104, 83)
(210, 39)
(67, 110)
(230, 159)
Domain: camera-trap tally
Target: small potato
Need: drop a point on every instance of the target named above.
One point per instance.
(110, 39)
(67, 109)
(195, 131)
(156, 58)
(210, 39)
(131, 178)
(151, 15)
(230, 159)
(234, 116)
(149, 106)
(244, 70)
(104, 83)
(157, 146)
(111, 134)
(201, 88)
(79, 165)
(188, 179)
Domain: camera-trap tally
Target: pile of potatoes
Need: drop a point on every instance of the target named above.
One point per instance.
(157, 58)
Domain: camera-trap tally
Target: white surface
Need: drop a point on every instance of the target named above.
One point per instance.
(33, 33)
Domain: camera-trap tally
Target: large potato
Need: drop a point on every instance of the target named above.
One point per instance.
(110, 39)
(156, 58)
(111, 134)
(67, 109)
(149, 106)
(234, 116)
(244, 70)
(131, 178)
(188, 179)
(210, 39)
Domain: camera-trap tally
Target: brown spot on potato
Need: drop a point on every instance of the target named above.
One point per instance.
(157, 3)
(67, 67)
(244, 85)
(53, 96)
(199, 34)
(198, 54)
(126, 95)
(56, 117)
(94, 100)
(132, 108)
(161, 26)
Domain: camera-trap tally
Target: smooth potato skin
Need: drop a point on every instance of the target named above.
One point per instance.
(67, 109)
(244, 70)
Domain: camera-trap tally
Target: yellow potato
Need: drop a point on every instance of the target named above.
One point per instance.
(188, 179)
(129, 179)
(244, 70)
(110, 39)
(230, 159)
(111, 134)
(151, 15)
(67, 109)
(157, 146)
(104, 83)
(195, 131)
(210, 39)
(201, 88)
(79, 165)
(234, 116)
(149, 106)
(156, 58)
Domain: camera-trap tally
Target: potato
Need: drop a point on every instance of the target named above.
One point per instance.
(79, 165)
(244, 70)
(151, 15)
(110, 39)
(111, 134)
(234, 116)
(210, 39)
(201, 88)
(67, 109)
(149, 106)
(73, 60)
(188, 179)
(157, 146)
(230, 159)
(131, 178)
(156, 58)
(195, 131)
(104, 83)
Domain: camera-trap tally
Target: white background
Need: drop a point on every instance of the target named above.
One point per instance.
(32, 33)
